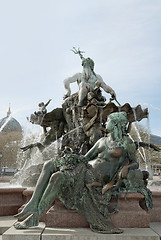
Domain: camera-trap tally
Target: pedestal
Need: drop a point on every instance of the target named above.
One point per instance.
(155, 212)
(130, 214)
(59, 216)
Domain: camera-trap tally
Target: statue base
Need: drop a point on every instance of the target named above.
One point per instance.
(155, 212)
(59, 216)
(130, 214)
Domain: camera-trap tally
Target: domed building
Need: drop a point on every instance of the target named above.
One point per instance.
(9, 124)
(10, 138)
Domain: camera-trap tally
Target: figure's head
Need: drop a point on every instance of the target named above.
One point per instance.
(41, 104)
(117, 124)
(88, 63)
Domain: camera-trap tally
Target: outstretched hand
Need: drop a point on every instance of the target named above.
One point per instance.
(113, 96)
(107, 187)
(66, 95)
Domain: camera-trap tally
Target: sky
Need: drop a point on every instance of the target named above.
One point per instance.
(123, 37)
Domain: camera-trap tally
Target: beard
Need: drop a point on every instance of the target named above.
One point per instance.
(87, 73)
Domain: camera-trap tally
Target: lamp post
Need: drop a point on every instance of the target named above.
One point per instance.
(1, 155)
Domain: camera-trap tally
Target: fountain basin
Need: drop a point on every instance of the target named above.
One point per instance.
(11, 199)
(130, 214)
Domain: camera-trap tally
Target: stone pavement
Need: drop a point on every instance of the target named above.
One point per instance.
(8, 232)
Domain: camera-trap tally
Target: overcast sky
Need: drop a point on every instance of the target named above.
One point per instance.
(123, 37)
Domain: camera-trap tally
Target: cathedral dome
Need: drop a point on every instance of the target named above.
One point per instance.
(9, 124)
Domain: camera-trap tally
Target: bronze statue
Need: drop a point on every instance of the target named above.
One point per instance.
(86, 183)
(87, 81)
(97, 158)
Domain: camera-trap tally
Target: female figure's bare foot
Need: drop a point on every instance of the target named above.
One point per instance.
(29, 209)
(31, 221)
(108, 229)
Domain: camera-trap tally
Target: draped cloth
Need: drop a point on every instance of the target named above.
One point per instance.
(95, 207)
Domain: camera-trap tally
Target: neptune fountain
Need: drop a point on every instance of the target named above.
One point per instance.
(95, 159)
